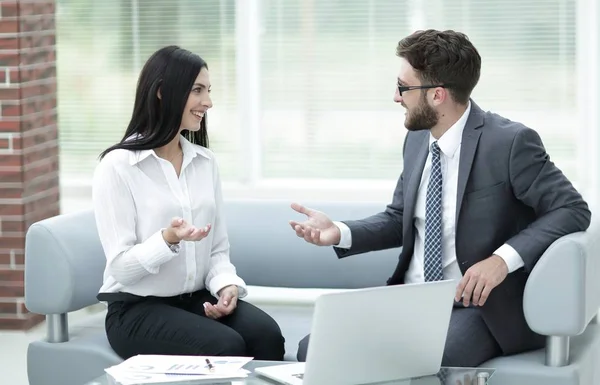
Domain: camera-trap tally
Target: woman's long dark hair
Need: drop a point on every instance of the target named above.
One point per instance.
(155, 122)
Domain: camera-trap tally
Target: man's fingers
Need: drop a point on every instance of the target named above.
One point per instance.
(299, 230)
(485, 294)
(307, 236)
(311, 235)
(477, 291)
(461, 288)
(301, 209)
(316, 236)
(294, 224)
(469, 291)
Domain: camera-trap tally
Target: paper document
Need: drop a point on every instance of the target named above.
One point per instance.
(151, 369)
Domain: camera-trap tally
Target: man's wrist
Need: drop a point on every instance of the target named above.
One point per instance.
(501, 261)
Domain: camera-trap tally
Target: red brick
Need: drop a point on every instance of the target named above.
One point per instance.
(10, 94)
(10, 242)
(36, 90)
(42, 183)
(11, 110)
(37, 39)
(40, 169)
(16, 143)
(8, 307)
(9, 42)
(45, 54)
(39, 104)
(5, 259)
(4, 144)
(39, 7)
(43, 22)
(9, 126)
(8, 160)
(11, 193)
(7, 275)
(39, 154)
(10, 176)
(40, 136)
(9, 59)
(10, 225)
(14, 76)
(41, 203)
(9, 26)
(9, 8)
(49, 211)
(32, 176)
(12, 209)
(15, 289)
(38, 72)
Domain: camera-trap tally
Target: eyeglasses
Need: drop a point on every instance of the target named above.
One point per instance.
(402, 89)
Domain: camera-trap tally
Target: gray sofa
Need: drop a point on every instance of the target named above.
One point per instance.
(65, 262)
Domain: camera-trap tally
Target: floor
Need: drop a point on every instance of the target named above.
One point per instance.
(13, 349)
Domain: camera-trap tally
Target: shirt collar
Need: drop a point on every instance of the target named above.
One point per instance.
(189, 152)
(452, 138)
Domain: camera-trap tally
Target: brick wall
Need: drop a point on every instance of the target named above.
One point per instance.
(29, 188)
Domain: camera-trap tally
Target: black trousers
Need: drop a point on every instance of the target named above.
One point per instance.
(469, 342)
(178, 326)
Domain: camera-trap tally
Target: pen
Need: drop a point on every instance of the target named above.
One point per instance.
(210, 366)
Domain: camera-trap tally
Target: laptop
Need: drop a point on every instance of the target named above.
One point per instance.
(373, 335)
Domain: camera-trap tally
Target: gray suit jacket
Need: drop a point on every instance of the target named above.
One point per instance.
(508, 192)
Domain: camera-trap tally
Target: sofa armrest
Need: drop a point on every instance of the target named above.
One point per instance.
(562, 294)
(64, 263)
(286, 296)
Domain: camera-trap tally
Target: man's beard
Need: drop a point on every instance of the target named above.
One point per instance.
(422, 117)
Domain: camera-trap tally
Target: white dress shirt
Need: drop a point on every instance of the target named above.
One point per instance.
(449, 144)
(135, 196)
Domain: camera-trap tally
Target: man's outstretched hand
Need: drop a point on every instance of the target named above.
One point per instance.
(317, 229)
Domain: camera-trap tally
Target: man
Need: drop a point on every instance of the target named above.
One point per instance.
(478, 201)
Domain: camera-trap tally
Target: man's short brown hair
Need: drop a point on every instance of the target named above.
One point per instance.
(445, 58)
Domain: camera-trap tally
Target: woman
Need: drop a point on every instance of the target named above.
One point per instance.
(169, 284)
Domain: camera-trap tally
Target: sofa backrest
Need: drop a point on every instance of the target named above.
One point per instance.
(267, 252)
(64, 260)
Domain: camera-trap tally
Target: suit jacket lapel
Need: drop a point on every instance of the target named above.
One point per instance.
(470, 139)
(410, 196)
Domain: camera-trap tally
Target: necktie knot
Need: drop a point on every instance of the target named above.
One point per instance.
(435, 149)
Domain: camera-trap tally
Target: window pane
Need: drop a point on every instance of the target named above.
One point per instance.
(329, 68)
(101, 47)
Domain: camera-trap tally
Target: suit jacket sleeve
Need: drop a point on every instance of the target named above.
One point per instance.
(538, 183)
(379, 231)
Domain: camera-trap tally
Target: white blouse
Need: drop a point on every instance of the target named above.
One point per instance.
(135, 196)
